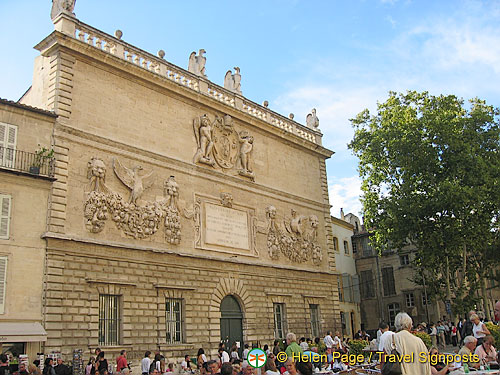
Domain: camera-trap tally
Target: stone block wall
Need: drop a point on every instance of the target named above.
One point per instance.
(78, 272)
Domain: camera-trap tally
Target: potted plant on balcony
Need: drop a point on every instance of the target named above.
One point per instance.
(41, 155)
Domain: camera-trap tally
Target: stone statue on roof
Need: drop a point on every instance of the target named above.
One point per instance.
(62, 6)
(312, 121)
(232, 82)
(197, 63)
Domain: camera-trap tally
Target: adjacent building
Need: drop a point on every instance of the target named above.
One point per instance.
(26, 177)
(348, 283)
(182, 213)
(386, 284)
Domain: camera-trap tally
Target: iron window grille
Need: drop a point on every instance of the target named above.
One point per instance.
(174, 320)
(109, 319)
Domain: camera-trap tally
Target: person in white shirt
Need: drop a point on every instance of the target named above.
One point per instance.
(381, 326)
(328, 340)
(145, 363)
(245, 354)
(186, 364)
(337, 342)
(234, 354)
(224, 357)
(386, 343)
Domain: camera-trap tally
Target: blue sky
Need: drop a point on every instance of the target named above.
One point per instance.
(337, 56)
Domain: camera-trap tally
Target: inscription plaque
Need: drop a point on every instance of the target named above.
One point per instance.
(226, 227)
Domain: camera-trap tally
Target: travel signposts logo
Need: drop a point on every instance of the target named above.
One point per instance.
(257, 358)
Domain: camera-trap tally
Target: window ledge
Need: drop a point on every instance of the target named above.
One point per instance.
(175, 346)
(112, 348)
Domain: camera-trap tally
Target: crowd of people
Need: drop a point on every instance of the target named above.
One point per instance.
(472, 336)
(477, 345)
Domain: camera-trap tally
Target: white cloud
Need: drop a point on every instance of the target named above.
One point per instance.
(465, 40)
(391, 21)
(344, 193)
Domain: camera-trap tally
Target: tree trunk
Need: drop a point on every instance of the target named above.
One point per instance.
(448, 287)
(486, 307)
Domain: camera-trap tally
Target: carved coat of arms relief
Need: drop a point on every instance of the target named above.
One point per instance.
(220, 145)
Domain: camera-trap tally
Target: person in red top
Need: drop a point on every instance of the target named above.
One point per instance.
(121, 361)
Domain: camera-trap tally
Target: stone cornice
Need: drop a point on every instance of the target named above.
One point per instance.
(163, 286)
(117, 65)
(109, 281)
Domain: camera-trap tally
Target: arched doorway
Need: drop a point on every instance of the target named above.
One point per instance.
(231, 322)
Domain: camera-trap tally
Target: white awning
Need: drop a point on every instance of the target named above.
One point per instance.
(22, 332)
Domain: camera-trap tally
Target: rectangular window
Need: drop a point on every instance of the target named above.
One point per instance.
(279, 320)
(346, 284)
(335, 244)
(410, 299)
(425, 301)
(366, 284)
(339, 286)
(109, 319)
(314, 309)
(404, 259)
(356, 298)
(3, 283)
(388, 281)
(393, 311)
(354, 246)
(5, 203)
(174, 319)
(346, 247)
(8, 140)
(367, 248)
(342, 321)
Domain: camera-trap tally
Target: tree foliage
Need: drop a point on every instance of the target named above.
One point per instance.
(430, 170)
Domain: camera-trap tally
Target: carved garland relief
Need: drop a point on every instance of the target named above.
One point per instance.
(295, 237)
(134, 219)
(219, 144)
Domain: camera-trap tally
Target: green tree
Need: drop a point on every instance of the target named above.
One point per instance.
(430, 170)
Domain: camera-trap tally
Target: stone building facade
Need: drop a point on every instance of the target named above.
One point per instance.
(25, 184)
(183, 214)
(348, 282)
(386, 284)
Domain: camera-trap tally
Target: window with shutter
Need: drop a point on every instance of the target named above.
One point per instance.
(346, 283)
(5, 201)
(367, 285)
(8, 140)
(355, 289)
(3, 282)
(388, 281)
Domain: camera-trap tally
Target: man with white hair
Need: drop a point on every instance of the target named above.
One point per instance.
(465, 351)
(406, 344)
(497, 311)
(293, 349)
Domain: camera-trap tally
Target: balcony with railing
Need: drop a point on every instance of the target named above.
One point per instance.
(26, 163)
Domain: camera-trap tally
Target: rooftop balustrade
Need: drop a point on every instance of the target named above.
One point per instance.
(158, 65)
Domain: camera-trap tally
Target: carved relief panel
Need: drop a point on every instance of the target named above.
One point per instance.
(135, 217)
(295, 237)
(221, 146)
